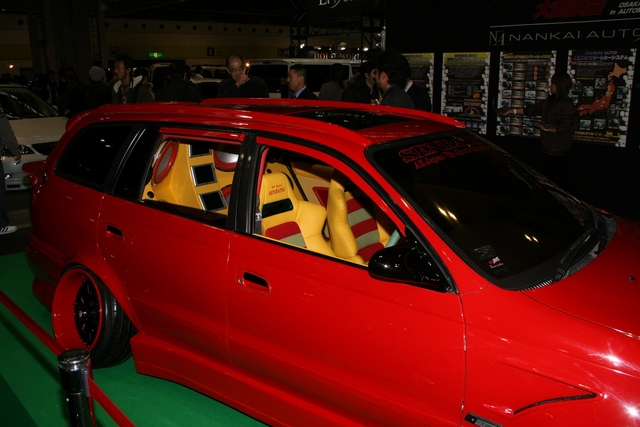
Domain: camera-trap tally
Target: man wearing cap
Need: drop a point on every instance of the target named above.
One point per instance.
(98, 92)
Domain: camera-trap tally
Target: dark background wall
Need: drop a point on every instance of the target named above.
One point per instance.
(601, 174)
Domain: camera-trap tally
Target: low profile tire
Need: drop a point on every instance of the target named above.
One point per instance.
(85, 314)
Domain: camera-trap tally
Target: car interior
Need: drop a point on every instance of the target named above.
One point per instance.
(192, 178)
(301, 201)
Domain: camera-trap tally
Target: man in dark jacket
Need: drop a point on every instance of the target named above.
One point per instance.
(297, 80)
(419, 94)
(128, 89)
(179, 89)
(97, 92)
(363, 89)
(393, 71)
(240, 84)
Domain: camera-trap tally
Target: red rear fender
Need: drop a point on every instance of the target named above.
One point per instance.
(34, 171)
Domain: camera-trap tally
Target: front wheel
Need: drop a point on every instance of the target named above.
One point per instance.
(85, 314)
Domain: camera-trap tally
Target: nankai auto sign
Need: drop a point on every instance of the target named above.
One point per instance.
(334, 10)
(571, 20)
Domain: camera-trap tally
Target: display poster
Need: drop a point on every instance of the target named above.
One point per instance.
(422, 70)
(525, 78)
(602, 93)
(465, 83)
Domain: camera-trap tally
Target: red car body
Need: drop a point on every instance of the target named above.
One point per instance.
(295, 336)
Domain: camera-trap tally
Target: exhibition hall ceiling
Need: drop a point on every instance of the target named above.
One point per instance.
(272, 12)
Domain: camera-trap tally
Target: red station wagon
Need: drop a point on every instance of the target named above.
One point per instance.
(317, 263)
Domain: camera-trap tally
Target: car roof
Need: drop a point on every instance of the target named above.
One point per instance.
(334, 123)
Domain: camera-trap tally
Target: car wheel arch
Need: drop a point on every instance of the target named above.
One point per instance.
(85, 314)
(110, 280)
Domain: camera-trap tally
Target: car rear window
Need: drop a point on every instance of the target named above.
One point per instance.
(89, 157)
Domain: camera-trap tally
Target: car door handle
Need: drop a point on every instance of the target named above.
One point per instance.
(114, 233)
(254, 283)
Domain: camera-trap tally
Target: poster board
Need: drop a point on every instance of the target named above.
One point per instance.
(602, 93)
(525, 78)
(465, 83)
(422, 70)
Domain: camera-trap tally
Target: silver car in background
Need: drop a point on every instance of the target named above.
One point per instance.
(37, 127)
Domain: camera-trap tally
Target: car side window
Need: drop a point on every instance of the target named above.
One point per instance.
(191, 178)
(90, 157)
(307, 203)
(8, 106)
(134, 173)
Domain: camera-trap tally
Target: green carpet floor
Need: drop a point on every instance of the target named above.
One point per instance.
(30, 391)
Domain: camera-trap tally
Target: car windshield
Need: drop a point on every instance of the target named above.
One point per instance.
(18, 102)
(504, 219)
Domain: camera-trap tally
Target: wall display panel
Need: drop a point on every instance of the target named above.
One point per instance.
(422, 69)
(465, 82)
(525, 78)
(602, 92)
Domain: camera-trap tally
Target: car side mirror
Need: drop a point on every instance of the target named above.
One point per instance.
(408, 264)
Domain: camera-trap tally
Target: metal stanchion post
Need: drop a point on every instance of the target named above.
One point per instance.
(75, 368)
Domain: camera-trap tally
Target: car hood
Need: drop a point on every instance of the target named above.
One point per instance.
(606, 291)
(33, 131)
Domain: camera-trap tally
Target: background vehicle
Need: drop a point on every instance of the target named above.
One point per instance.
(452, 108)
(274, 72)
(324, 263)
(213, 71)
(37, 127)
(211, 76)
(208, 83)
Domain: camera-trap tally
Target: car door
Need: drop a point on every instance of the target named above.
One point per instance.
(388, 352)
(163, 232)
(82, 173)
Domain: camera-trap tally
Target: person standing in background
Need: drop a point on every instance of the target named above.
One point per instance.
(419, 94)
(332, 90)
(179, 88)
(128, 89)
(97, 93)
(559, 121)
(144, 73)
(7, 139)
(393, 72)
(363, 88)
(52, 87)
(240, 84)
(297, 80)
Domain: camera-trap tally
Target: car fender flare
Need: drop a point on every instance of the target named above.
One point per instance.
(109, 278)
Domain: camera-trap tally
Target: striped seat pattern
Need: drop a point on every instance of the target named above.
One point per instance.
(364, 228)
